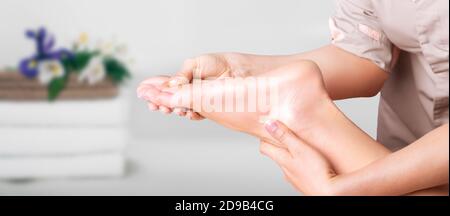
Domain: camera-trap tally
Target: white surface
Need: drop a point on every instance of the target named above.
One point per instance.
(41, 141)
(230, 166)
(61, 113)
(107, 164)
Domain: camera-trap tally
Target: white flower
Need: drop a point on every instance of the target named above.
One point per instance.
(94, 71)
(82, 43)
(112, 48)
(115, 50)
(49, 70)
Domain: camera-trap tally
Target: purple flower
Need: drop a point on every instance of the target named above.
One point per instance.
(29, 67)
(44, 51)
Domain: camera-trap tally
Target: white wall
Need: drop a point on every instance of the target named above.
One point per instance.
(160, 33)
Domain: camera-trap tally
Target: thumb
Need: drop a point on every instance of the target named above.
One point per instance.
(185, 74)
(284, 135)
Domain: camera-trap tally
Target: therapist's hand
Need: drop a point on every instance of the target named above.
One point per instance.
(209, 66)
(303, 166)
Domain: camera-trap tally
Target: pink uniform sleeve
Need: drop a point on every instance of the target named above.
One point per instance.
(355, 28)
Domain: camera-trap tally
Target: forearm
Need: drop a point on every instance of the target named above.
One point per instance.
(352, 152)
(345, 75)
(421, 165)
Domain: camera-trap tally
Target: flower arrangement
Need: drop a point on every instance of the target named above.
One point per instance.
(52, 67)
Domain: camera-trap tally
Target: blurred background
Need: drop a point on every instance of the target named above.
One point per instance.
(163, 155)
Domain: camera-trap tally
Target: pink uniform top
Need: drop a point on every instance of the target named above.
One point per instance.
(409, 40)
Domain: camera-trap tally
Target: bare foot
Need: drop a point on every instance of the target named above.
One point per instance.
(300, 98)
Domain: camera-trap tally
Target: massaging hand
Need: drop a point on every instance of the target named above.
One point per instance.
(303, 166)
(209, 66)
(301, 95)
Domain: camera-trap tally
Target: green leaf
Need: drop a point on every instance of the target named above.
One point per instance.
(116, 70)
(78, 61)
(55, 87)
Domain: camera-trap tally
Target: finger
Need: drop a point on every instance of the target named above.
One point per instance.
(196, 116)
(152, 106)
(191, 115)
(177, 81)
(285, 136)
(289, 177)
(185, 74)
(179, 111)
(165, 110)
(273, 142)
(279, 155)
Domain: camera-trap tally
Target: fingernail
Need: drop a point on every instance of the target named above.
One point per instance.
(271, 126)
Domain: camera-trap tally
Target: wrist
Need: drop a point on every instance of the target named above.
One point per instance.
(336, 186)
